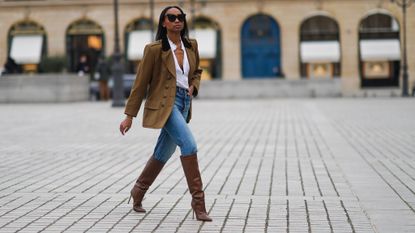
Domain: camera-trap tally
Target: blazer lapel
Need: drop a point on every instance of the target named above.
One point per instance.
(168, 61)
(192, 61)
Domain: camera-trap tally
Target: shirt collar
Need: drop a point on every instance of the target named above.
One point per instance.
(173, 45)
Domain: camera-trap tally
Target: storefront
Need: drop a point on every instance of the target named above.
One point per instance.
(137, 35)
(207, 33)
(355, 41)
(379, 47)
(84, 41)
(320, 48)
(27, 45)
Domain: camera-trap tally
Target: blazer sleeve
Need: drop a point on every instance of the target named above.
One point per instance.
(142, 80)
(195, 78)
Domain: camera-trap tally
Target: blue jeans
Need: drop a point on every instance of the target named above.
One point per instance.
(176, 131)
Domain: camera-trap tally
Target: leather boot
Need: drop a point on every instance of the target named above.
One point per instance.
(194, 182)
(148, 175)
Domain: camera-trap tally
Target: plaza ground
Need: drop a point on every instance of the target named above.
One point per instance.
(268, 165)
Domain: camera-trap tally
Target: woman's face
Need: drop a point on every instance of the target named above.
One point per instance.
(174, 20)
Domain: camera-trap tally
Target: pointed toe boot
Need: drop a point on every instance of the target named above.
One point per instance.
(194, 182)
(144, 181)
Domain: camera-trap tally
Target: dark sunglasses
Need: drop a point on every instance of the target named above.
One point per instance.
(172, 18)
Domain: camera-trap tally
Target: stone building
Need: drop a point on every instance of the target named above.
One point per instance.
(356, 41)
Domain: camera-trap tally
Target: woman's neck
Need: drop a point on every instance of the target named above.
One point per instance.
(174, 37)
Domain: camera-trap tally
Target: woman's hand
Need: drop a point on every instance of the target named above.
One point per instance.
(126, 125)
(190, 91)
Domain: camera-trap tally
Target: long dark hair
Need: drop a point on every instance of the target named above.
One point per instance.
(162, 31)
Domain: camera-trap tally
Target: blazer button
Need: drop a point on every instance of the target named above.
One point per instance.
(162, 105)
(167, 87)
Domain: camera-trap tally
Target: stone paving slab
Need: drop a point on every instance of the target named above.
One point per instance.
(324, 165)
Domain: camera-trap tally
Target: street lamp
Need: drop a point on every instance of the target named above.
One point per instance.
(117, 67)
(192, 12)
(404, 4)
(152, 18)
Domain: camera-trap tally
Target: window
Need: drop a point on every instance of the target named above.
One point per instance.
(320, 48)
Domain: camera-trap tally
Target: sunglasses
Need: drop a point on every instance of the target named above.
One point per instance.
(172, 18)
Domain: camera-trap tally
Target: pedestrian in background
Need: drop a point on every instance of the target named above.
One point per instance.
(103, 70)
(82, 67)
(11, 67)
(170, 70)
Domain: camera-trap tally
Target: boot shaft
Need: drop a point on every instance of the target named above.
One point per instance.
(195, 185)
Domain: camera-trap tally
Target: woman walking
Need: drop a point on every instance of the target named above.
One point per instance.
(169, 73)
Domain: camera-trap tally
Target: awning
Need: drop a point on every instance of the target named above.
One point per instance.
(380, 50)
(26, 49)
(137, 40)
(206, 40)
(320, 51)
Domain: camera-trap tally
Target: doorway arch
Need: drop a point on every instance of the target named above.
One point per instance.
(260, 47)
(320, 52)
(379, 51)
(137, 34)
(208, 34)
(27, 45)
(84, 37)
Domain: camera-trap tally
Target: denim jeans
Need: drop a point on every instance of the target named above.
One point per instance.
(176, 131)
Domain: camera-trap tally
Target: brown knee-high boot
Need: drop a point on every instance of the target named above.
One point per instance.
(194, 182)
(148, 175)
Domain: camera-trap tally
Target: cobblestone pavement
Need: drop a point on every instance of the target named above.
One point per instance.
(335, 165)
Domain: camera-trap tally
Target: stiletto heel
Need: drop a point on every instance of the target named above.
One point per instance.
(194, 183)
(129, 199)
(146, 178)
(193, 215)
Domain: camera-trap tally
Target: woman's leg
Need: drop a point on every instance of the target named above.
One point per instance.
(180, 133)
(194, 182)
(144, 181)
(169, 137)
(165, 147)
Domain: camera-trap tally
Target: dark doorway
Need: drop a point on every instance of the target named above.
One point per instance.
(261, 51)
(84, 38)
(379, 32)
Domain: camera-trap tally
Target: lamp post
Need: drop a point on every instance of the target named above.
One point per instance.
(117, 67)
(152, 18)
(404, 4)
(192, 12)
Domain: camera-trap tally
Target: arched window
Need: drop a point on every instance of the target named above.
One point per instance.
(208, 35)
(319, 28)
(320, 48)
(379, 26)
(84, 43)
(379, 51)
(136, 35)
(260, 46)
(27, 44)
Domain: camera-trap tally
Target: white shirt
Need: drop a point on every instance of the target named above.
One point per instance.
(182, 76)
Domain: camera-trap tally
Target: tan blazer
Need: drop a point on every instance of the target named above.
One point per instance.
(156, 77)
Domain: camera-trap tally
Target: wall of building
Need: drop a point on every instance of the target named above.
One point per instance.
(230, 15)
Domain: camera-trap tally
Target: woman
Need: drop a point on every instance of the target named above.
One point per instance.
(169, 73)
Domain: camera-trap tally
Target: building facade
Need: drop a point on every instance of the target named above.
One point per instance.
(357, 41)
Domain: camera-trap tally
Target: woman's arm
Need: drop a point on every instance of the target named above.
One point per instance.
(195, 78)
(142, 80)
(139, 89)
